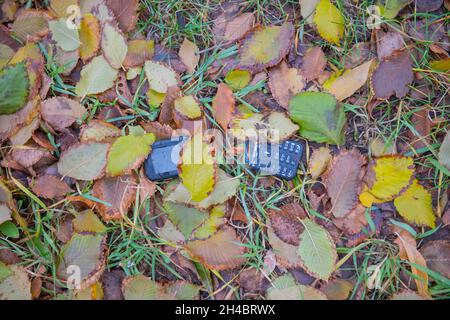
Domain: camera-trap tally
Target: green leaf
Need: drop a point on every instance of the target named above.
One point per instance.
(212, 223)
(285, 288)
(9, 229)
(183, 290)
(14, 86)
(390, 8)
(141, 288)
(320, 117)
(114, 46)
(65, 37)
(238, 79)
(317, 250)
(4, 271)
(329, 21)
(96, 77)
(128, 153)
(184, 218)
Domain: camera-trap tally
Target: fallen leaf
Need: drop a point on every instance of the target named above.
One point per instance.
(30, 25)
(128, 153)
(415, 206)
(393, 76)
(88, 253)
(96, 77)
(286, 288)
(84, 161)
(408, 251)
(160, 77)
(265, 47)
(185, 219)
(189, 55)
(388, 43)
(390, 8)
(441, 65)
(222, 251)
(89, 37)
(437, 256)
(98, 131)
(223, 105)
(444, 151)
(28, 156)
(408, 295)
(337, 289)
(15, 285)
(238, 79)
(87, 221)
(286, 223)
(114, 46)
(187, 107)
(237, 28)
(14, 88)
(286, 254)
(50, 187)
(116, 195)
(307, 9)
(314, 63)
(343, 181)
(61, 112)
(351, 81)
(285, 82)
(422, 125)
(138, 52)
(126, 13)
(319, 161)
(60, 7)
(65, 37)
(317, 250)
(428, 6)
(387, 178)
(329, 21)
(197, 168)
(320, 117)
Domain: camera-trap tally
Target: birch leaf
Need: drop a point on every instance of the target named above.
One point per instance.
(65, 37)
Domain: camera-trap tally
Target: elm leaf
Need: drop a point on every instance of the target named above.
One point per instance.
(14, 86)
(96, 77)
(65, 37)
(114, 46)
(89, 37)
(320, 117)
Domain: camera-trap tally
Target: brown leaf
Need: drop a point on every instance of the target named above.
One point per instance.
(437, 256)
(343, 181)
(28, 156)
(285, 82)
(11, 123)
(165, 115)
(228, 11)
(30, 24)
(422, 124)
(236, 28)
(314, 63)
(138, 52)
(388, 43)
(353, 222)
(221, 251)
(112, 284)
(393, 76)
(49, 187)
(223, 105)
(428, 5)
(189, 55)
(408, 251)
(61, 112)
(120, 92)
(119, 192)
(286, 223)
(146, 187)
(337, 289)
(161, 131)
(125, 12)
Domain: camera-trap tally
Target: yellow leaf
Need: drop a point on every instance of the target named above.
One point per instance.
(160, 77)
(89, 37)
(329, 21)
(415, 206)
(188, 107)
(238, 79)
(441, 65)
(389, 176)
(319, 162)
(197, 168)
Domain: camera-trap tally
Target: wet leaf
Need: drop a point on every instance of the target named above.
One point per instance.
(197, 169)
(96, 77)
(329, 21)
(265, 47)
(393, 76)
(50, 187)
(61, 112)
(86, 252)
(223, 105)
(415, 206)
(116, 195)
(189, 55)
(128, 153)
(114, 46)
(84, 161)
(286, 223)
(343, 181)
(14, 83)
(89, 37)
(317, 250)
(320, 117)
(222, 251)
(65, 37)
(285, 82)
